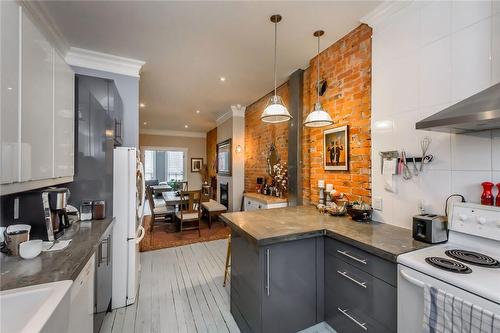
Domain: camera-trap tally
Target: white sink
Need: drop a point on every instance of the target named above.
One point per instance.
(38, 308)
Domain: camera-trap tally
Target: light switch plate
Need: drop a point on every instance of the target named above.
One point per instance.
(377, 203)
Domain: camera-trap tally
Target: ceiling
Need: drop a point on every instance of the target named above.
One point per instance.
(188, 46)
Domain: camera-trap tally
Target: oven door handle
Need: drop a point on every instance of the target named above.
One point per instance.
(411, 279)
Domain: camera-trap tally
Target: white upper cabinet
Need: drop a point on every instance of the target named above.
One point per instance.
(37, 150)
(64, 118)
(37, 106)
(9, 91)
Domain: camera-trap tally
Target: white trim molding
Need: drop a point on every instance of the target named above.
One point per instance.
(236, 111)
(186, 134)
(103, 62)
(383, 11)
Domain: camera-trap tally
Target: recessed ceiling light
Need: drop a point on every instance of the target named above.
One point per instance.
(222, 79)
(145, 123)
(186, 126)
(198, 111)
(9, 88)
(142, 105)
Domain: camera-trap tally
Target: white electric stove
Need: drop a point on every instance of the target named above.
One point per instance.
(467, 266)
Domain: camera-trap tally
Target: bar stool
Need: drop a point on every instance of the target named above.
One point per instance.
(228, 258)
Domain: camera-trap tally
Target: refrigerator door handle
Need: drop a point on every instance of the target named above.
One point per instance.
(142, 234)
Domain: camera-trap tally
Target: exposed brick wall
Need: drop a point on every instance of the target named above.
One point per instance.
(346, 65)
(258, 138)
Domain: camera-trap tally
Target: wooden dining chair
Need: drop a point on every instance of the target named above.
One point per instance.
(190, 210)
(160, 212)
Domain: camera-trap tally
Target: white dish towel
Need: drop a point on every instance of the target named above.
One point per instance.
(446, 313)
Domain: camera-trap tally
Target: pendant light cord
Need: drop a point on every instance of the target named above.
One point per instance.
(275, 42)
(317, 69)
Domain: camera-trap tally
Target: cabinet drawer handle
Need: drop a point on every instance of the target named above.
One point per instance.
(345, 253)
(354, 320)
(344, 274)
(268, 274)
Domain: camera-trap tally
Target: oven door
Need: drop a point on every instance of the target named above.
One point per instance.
(411, 298)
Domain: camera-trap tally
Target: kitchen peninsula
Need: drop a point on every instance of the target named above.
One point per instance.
(308, 267)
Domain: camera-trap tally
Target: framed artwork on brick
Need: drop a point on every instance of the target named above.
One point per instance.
(336, 148)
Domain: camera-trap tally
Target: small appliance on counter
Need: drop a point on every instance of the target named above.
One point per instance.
(54, 201)
(430, 228)
(14, 235)
(98, 209)
(86, 211)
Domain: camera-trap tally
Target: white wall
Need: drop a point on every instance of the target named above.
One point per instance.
(427, 56)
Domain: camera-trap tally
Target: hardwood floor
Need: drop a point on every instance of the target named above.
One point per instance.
(180, 291)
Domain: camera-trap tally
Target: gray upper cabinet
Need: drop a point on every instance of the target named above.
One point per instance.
(9, 91)
(64, 115)
(37, 150)
(37, 106)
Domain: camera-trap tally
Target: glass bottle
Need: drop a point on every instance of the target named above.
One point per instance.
(487, 197)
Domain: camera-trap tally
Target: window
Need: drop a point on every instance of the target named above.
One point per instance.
(165, 165)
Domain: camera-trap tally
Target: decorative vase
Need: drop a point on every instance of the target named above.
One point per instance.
(498, 196)
(487, 197)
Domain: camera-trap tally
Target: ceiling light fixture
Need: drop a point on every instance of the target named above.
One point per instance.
(275, 111)
(142, 105)
(222, 79)
(186, 126)
(197, 111)
(318, 117)
(145, 123)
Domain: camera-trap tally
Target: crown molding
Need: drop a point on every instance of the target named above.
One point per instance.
(235, 111)
(37, 11)
(383, 11)
(103, 62)
(185, 134)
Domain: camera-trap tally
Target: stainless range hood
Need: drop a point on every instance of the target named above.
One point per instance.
(477, 113)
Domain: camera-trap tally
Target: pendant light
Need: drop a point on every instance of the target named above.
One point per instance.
(318, 117)
(275, 111)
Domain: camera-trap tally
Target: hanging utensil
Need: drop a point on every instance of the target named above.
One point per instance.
(406, 170)
(424, 145)
(415, 169)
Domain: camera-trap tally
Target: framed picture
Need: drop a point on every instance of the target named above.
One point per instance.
(224, 159)
(336, 148)
(196, 164)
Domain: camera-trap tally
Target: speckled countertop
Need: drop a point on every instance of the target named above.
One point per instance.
(264, 227)
(265, 199)
(66, 264)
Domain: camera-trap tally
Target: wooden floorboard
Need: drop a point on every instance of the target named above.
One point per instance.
(180, 291)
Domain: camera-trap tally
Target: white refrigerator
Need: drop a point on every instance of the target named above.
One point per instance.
(128, 231)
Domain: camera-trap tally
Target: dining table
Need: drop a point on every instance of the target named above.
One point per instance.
(172, 198)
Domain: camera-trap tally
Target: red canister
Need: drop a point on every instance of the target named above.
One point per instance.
(498, 196)
(487, 197)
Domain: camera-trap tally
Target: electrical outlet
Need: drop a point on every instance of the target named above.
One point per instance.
(377, 203)
(16, 208)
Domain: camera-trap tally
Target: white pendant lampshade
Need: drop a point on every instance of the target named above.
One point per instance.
(275, 111)
(318, 117)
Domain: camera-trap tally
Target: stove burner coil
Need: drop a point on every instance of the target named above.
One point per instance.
(473, 258)
(448, 264)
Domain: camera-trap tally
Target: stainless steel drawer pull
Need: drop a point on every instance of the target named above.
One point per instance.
(344, 274)
(354, 320)
(345, 253)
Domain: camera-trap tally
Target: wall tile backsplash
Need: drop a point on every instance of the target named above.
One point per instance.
(426, 57)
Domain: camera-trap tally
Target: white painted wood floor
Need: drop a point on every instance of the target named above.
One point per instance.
(180, 290)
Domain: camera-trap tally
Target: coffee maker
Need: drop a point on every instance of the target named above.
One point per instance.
(54, 202)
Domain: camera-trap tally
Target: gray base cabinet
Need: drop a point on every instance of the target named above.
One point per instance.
(275, 288)
(360, 290)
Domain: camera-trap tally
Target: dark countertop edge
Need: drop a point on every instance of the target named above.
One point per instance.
(392, 257)
(93, 250)
(363, 246)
